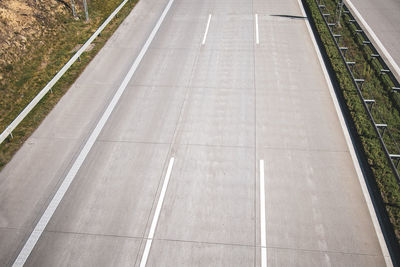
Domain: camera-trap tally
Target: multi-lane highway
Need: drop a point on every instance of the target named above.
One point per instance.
(205, 133)
(381, 20)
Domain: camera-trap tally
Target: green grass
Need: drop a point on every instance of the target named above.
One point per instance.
(43, 60)
(377, 86)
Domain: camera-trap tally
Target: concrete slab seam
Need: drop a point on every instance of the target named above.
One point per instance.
(45, 218)
(350, 145)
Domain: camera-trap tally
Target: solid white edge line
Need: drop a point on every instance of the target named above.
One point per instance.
(206, 32)
(157, 214)
(374, 37)
(44, 220)
(262, 217)
(257, 34)
(350, 145)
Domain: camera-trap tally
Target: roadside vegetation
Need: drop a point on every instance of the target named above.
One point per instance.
(29, 63)
(377, 86)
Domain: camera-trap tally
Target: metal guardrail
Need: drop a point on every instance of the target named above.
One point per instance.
(382, 127)
(10, 128)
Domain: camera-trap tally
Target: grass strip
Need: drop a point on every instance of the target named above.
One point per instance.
(43, 60)
(376, 87)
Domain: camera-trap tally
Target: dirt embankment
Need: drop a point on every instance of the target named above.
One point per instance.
(24, 21)
(37, 38)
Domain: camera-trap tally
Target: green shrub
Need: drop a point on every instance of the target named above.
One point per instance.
(377, 87)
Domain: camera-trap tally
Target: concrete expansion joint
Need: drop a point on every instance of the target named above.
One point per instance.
(307, 149)
(205, 242)
(91, 234)
(100, 140)
(169, 49)
(32, 139)
(193, 87)
(215, 146)
(325, 251)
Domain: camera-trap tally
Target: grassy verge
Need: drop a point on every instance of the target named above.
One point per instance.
(43, 60)
(376, 86)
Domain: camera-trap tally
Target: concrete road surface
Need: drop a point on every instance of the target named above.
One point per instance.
(225, 149)
(383, 17)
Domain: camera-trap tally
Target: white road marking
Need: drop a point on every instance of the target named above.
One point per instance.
(257, 34)
(262, 217)
(156, 214)
(374, 37)
(350, 145)
(206, 32)
(44, 220)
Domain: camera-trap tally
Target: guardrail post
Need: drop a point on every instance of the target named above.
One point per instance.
(395, 158)
(9, 131)
(343, 50)
(337, 36)
(381, 126)
(369, 102)
(351, 64)
(360, 81)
